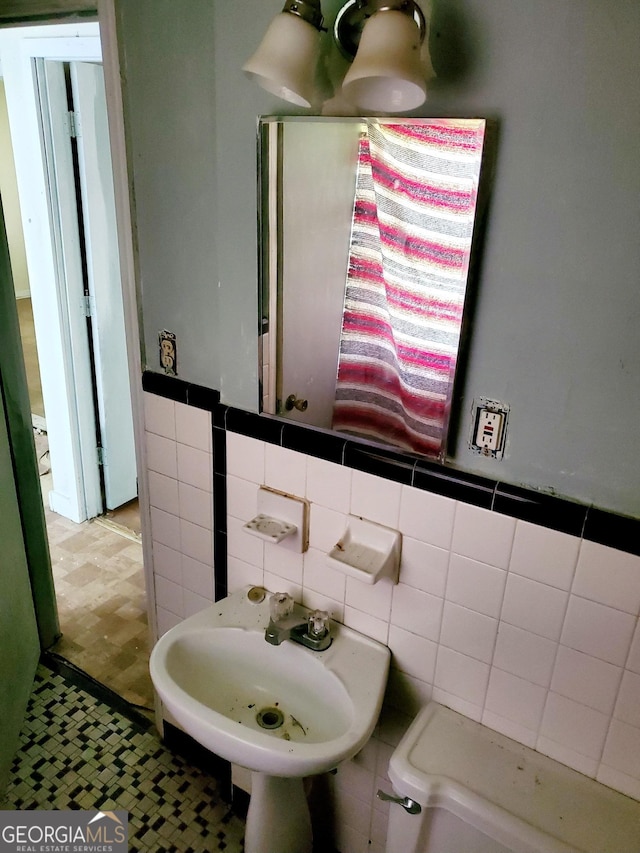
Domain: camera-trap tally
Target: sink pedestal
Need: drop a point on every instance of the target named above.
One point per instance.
(278, 819)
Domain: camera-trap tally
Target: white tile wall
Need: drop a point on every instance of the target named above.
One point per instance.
(535, 606)
(180, 466)
(468, 632)
(531, 631)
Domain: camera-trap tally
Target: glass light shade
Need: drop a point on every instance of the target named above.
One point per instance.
(387, 74)
(285, 62)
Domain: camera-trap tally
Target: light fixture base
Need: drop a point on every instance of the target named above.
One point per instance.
(308, 10)
(352, 17)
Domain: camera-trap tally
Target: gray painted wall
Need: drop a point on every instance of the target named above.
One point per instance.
(554, 331)
(168, 68)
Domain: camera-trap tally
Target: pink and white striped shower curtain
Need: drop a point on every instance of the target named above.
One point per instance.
(415, 200)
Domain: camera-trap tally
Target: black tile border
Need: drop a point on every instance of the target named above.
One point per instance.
(314, 442)
(457, 485)
(240, 801)
(200, 757)
(381, 462)
(180, 391)
(616, 531)
(220, 512)
(540, 508)
(269, 429)
(553, 512)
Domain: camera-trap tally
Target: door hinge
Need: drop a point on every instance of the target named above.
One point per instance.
(72, 118)
(88, 305)
(100, 452)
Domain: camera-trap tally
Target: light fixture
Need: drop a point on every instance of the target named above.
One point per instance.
(385, 36)
(284, 63)
(382, 38)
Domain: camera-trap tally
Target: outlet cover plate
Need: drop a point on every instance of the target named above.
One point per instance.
(168, 352)
(489, 428)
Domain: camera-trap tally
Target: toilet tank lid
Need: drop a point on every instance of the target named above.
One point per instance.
(507, 790)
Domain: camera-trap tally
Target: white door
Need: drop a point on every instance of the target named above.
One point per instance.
(316, 222)
(66, 237)
(40, 128)
(103, 268)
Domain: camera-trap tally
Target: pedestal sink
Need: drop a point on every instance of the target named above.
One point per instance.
(284, 712)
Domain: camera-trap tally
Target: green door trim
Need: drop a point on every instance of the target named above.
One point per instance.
(19, 646)
(23, 453)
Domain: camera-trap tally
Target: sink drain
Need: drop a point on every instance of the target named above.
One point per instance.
(270, 718)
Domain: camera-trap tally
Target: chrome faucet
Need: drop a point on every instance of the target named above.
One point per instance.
(311, 630)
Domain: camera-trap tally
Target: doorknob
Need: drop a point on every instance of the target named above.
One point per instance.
(293, 402)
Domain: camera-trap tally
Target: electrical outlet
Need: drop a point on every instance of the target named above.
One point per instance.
(489, 428)
(168, 352)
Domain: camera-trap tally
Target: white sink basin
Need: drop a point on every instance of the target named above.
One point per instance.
(216, 674)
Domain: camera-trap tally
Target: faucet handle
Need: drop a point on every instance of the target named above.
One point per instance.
(280, 606)
(318, 623)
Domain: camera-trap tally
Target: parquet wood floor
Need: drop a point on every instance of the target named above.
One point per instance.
(97, 568)
(99, 581)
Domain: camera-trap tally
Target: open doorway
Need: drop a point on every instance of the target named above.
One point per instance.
(97, 570)
(70, 309)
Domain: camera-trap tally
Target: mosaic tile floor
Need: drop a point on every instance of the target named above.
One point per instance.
(76, 752)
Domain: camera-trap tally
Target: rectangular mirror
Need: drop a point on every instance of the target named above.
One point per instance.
(366, 234)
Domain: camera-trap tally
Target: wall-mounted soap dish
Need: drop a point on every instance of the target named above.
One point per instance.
(271, 529)
(367, 551)
(282, 520)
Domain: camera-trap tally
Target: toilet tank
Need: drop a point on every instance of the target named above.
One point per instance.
(482, 792)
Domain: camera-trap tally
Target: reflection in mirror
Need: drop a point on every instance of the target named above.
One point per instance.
(366, 238)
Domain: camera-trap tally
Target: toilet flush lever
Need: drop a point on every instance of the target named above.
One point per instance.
(407, 803)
